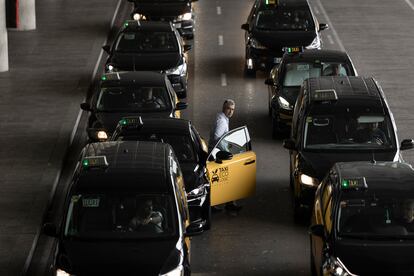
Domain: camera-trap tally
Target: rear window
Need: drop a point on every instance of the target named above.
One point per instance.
(284, 20)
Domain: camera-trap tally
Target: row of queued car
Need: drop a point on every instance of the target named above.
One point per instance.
(345, 157)
(145, 182)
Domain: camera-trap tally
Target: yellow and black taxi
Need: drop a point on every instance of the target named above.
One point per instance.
(363, 220)
(126, 213)
(274, 24)
(119, 94)
(286, 78)
(150, 46)
(224, 176)
(180, 12)
(338, 119)
(190, 149)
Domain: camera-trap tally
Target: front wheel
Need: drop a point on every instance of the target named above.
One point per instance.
(206, 213)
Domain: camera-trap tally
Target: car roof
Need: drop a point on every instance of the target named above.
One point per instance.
(380, 176)
(283, 4)
(137, 25)
(139, 78)
(346, 86)
(162, 125)
(311, 55)
(137, 165)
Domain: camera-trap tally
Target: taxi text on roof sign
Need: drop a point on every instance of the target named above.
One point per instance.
(95, 162)
(325, 95)
(271, 2)
(354, 183)
(293, 50)
(131, 121)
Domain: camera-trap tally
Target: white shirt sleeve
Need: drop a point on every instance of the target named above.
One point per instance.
(222, 126)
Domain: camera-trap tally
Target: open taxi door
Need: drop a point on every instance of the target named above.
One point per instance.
(231, 167)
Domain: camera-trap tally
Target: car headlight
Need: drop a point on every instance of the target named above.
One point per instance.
(186, 16)
(179, 70)
(137, 16)
(284, 103)
(179, 271)
(102, 135)
(60, 272)
(109, 68)
(308, 180)
(316, 43)
(256, 44)
(335, 267)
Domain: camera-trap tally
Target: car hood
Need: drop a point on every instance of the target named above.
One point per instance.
(145, 62)
(318, 163)
(192, 179)
(276, 40)
(162, 8)
(290, 94)
(110, 120)
(367, 257)
(118, 258)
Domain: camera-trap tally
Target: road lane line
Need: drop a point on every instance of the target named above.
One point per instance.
(331, 41)
(331, 27)
(72, 136)
(223, 80)
(410, 4)
(218, 10)
(220, 40)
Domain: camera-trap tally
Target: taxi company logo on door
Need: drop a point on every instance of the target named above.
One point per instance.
(220, 175)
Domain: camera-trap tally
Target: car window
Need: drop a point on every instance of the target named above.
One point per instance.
(296, 73)
(235, 142)
(146, 42)
(284, 20)
(109, 215)
(133, 99)
(344, 131)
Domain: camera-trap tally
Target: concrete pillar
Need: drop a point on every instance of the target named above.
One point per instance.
(4, 55)
(27, 15)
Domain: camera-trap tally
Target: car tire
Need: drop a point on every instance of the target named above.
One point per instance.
(206, 215)
(249, 72)
(312, 259)
(183, 94)
(275, 128)
(291, 181)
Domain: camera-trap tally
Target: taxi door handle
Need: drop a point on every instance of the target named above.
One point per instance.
(249, 162)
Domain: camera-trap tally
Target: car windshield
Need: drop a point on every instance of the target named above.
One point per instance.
(120, 216)
(296, 73)
(133, 99)
(146, 42)
(284, 20)
(182, 145)
(341, 131)
(379, 216)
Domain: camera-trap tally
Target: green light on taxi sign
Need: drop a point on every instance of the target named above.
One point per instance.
(85, 162)
(104, 78)
(345, 183)
(126, 24)
(355, 183)
(123, 122)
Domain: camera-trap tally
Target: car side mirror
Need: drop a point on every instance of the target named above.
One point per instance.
(289, 144)
(317, 230)
(323, 26)
(269, 81)
(223, 155)
(85, 106)
(407, 144)
(107, 48)
(194, 229)
(187, 47)
(181, 106)
(245, 26)
(50, 230)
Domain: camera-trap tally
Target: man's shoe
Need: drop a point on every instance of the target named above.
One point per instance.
(231, 206)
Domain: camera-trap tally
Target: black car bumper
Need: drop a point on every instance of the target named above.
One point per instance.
(179, 83)
(185, 28)
(263, 59)
(197, 206)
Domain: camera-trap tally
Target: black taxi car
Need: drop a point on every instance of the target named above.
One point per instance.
(120, 94)
(338, 119)
(274, 24)
(227, 173)
(150, 46)
(363, 220)
(180, 12)
(286, 78)
(126, 213)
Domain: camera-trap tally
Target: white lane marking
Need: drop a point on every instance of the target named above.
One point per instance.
(331, 27)
(316, 10)
(410, 4)
(220, 40)
(75, 127)
(331, 41)
(223, 80)
(218, 10)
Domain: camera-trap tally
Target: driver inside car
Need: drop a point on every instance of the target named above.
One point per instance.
(146, 218)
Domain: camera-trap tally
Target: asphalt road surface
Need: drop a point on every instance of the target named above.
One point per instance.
(264, 239)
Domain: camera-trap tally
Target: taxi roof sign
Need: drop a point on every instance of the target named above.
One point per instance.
(111, 76)
(293, 50)
(355, 183)
(324, 95)
(271, 2)
(95, 162)
(135, 121)
(132, 23)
